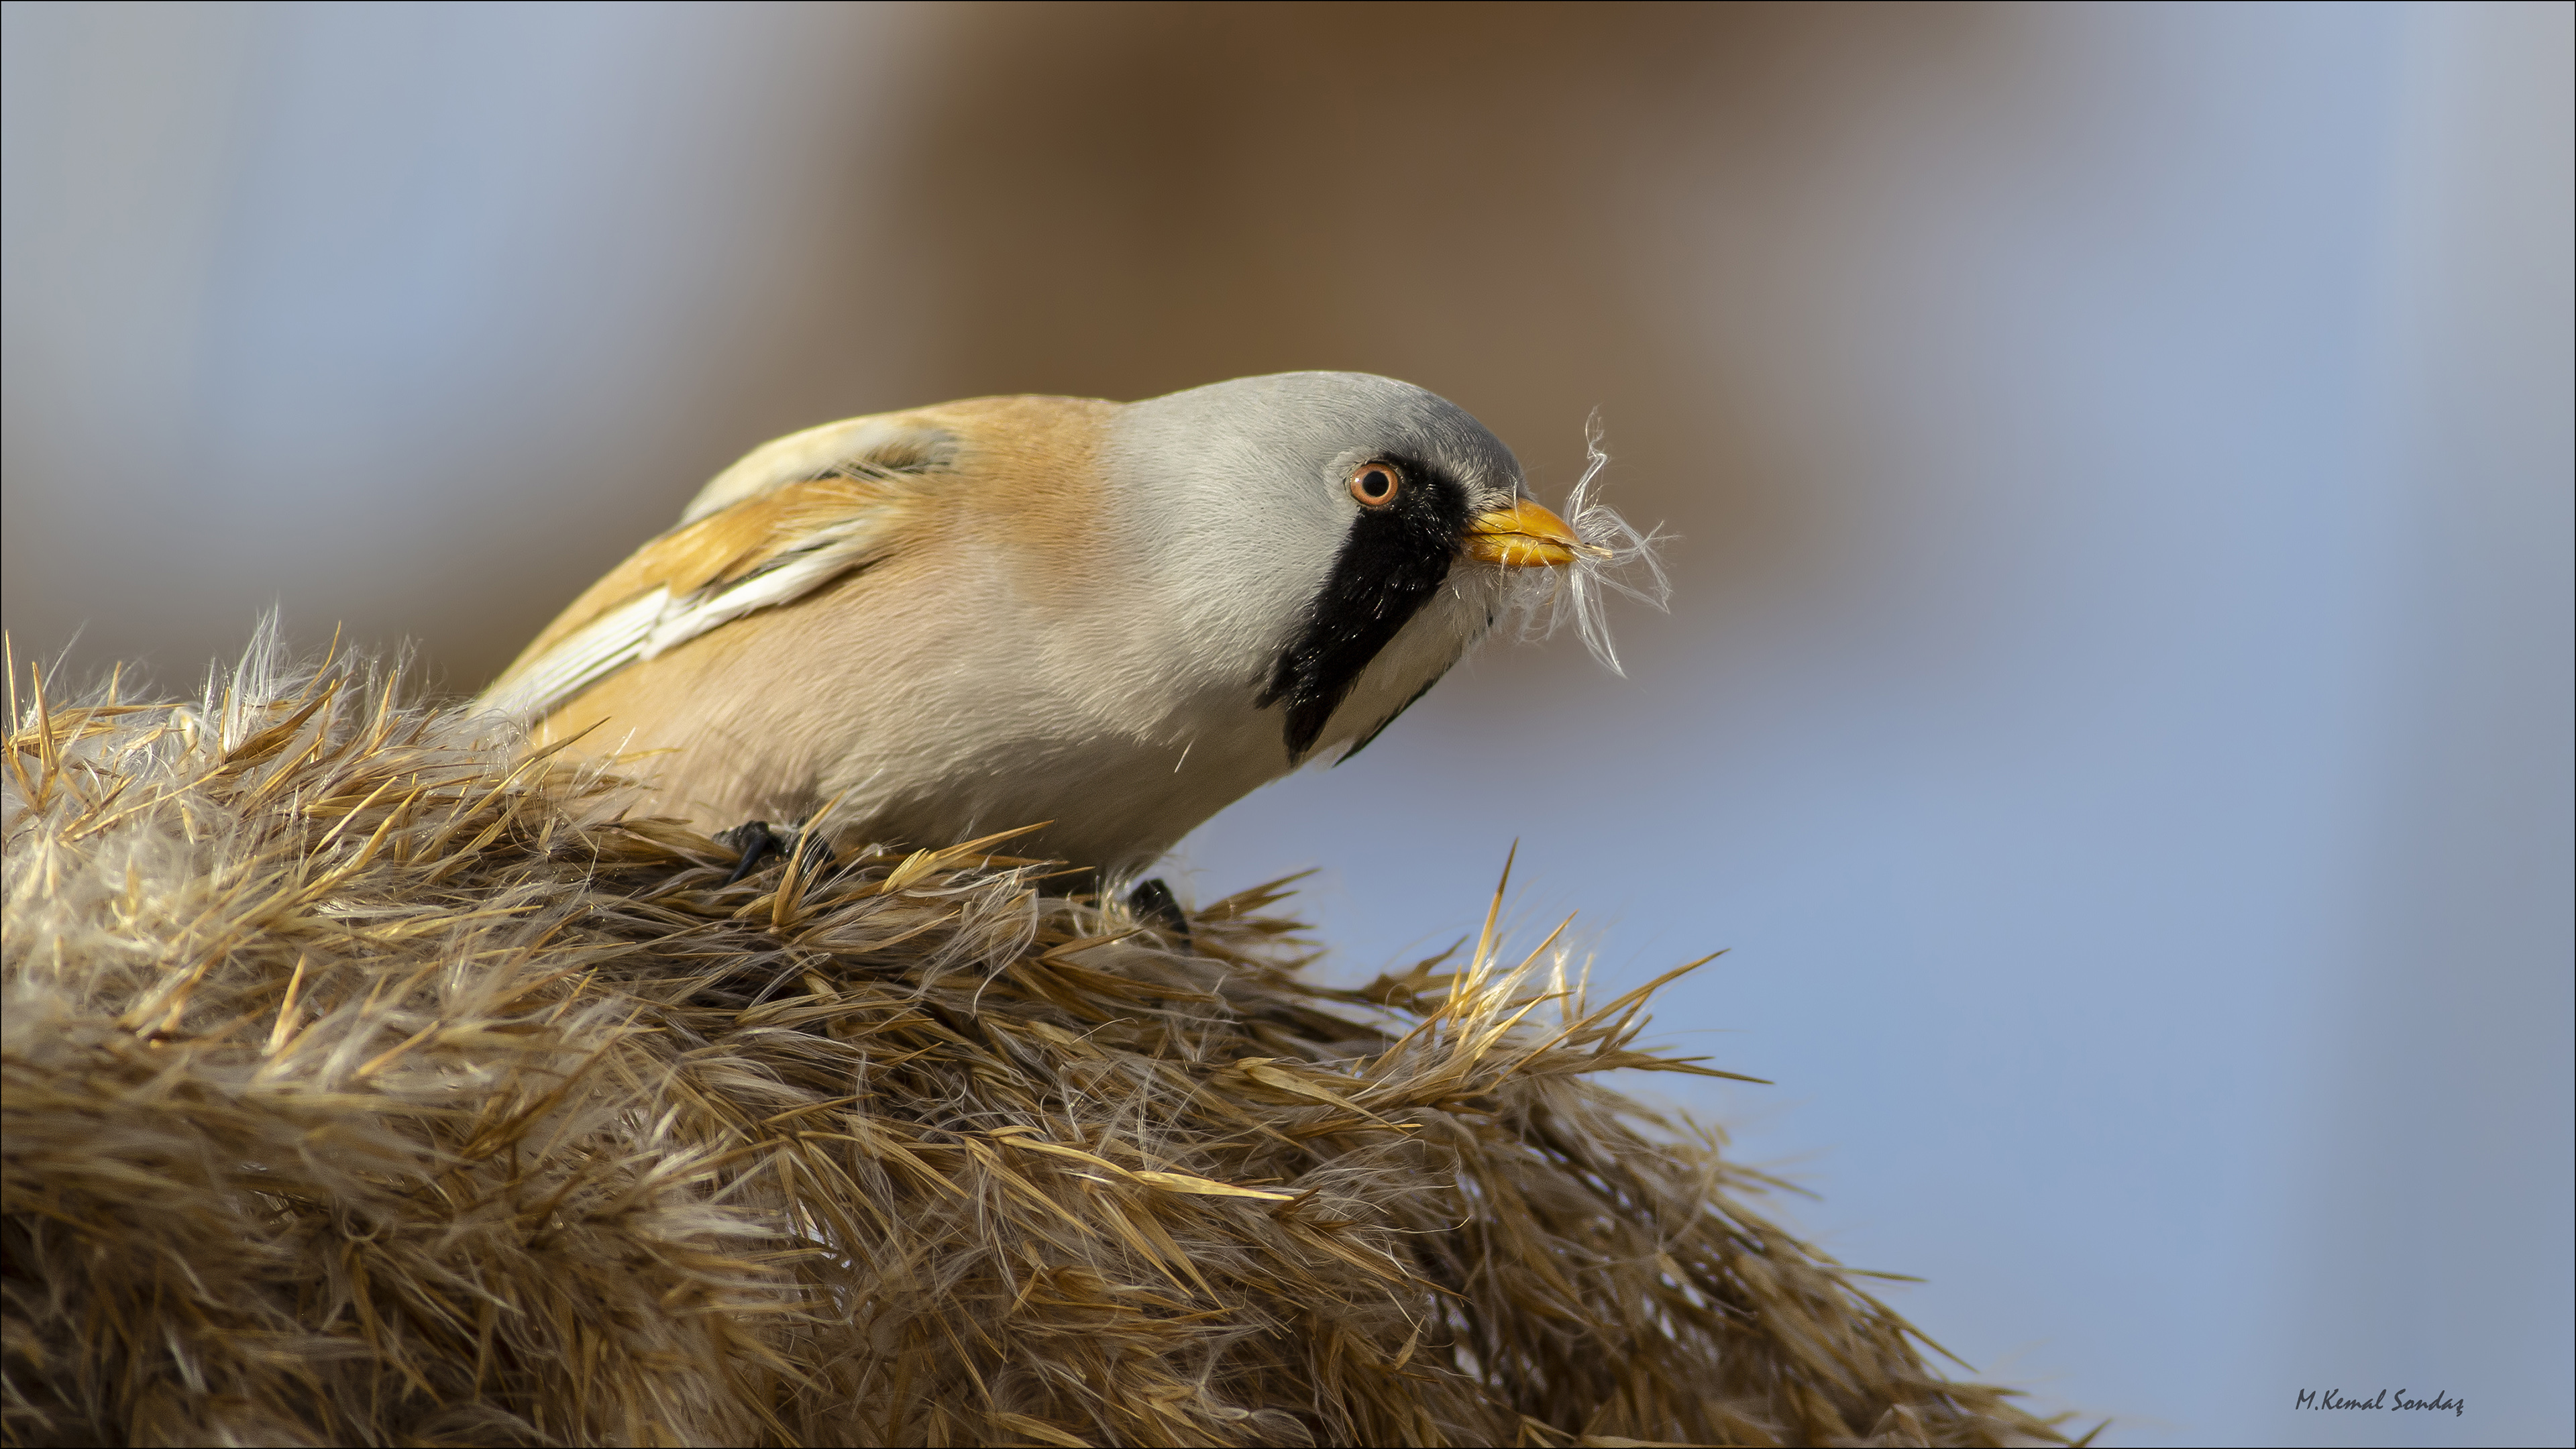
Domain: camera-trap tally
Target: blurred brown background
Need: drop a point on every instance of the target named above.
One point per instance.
(2117, 703)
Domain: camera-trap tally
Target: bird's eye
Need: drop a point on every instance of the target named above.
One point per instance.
(1375, 484)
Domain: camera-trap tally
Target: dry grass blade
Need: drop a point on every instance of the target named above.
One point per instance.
(365, 1084)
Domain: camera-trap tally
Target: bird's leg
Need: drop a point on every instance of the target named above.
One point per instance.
(755, 841)
(1153, 902)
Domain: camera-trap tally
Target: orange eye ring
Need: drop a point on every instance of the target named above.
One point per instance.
(1376, 484)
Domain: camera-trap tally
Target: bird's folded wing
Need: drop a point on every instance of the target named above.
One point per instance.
(885, 445)
(767, 550)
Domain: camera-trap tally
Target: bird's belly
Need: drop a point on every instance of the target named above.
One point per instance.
(920, 712)
(1112, 799)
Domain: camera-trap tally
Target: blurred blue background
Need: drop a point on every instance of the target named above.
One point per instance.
(2116, 705)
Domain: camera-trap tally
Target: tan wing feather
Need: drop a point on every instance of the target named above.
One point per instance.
(792, 539)
(769, 531)
(717, 550)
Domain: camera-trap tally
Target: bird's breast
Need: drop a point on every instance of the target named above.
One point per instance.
(967, 704)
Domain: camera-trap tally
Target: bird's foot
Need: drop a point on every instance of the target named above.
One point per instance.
(755, 841)
(1153, 903)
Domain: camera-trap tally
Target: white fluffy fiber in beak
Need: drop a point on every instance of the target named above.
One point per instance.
(1612, 557)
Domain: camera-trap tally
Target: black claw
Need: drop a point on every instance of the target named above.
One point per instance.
(753, 841)
(1153, 901)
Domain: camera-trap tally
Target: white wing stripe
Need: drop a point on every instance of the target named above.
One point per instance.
(651, 624)
(604, 644)
(833, 551)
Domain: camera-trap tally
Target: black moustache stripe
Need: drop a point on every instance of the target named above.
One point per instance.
(1392, 562)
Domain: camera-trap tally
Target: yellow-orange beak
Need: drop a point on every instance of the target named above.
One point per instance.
(1524, 535)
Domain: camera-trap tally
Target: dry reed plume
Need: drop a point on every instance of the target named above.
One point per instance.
(363, 1087)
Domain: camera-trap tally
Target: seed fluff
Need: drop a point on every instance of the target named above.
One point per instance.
(1611, 557)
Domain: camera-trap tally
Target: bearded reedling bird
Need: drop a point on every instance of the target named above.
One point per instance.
(1118, 618)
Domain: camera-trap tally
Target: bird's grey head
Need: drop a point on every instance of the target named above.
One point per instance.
(1318, 513)
(1318, 423)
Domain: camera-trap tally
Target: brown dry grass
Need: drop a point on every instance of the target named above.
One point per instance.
(363, 1088)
